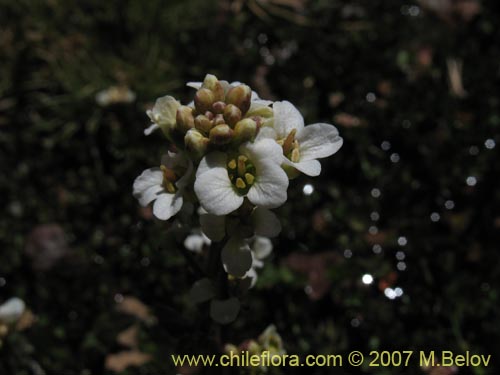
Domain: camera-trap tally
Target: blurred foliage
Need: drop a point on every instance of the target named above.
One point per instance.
(413, 89)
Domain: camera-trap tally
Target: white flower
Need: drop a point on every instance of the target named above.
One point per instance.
(11, 310)
(302, 145)
(223, 181)
(261, 249)
(164, 185)
(196, 241)
(163, 115)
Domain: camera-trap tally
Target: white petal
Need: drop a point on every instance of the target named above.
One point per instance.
(213, 226)
(236, 257)
(202, 291)
(167, 205)
(265, 132)
(224, 311)
(264, 149)
(212, 160)
(11, 310)
(151, 129)
(194, 85)
(318, 141)
(308, 167)
(252, 275)
(265, 222)
(269, 188)
(148, 185)
(213, 187)
(286, 118)
(150, 195)
(262, 247)
(195, 241)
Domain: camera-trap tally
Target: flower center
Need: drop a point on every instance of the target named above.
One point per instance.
(241, 173)
(290, 146)
(169, 179)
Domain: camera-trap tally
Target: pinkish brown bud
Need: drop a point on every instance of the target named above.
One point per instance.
(212, 83)
(221, 134)
(219, 119)
(245, 130)
(203, 100)
(232, 114)
(218, 107)
(240, 96)
(203, 123)
(184, 118)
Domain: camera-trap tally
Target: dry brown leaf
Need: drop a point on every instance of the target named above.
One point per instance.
(128, 337)
(455, 77)
(121, 361)
(131, 305)
(348, 121)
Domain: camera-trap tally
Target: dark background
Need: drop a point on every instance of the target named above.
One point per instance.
(413, 89)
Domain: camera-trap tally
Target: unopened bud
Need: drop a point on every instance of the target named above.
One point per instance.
(212, 83)
(185, 120)
(240, 96)
(219, 119)
(203, 123)
(245, 130)
(221, 134)
(164, 113)
(218, 107)
(196, 142)
(232, 114)
(203, 100)
(260, 110)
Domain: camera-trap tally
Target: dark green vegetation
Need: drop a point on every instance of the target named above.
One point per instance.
(413, 90)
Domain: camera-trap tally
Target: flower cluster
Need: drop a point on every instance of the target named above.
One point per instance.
(235, 154)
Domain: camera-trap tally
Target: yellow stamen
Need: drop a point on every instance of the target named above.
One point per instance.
(168, 174)
(288, 143)
(240, 184)
(295, 155)
(249, 178)
(241, 165)
(232, 164)
(170, 187)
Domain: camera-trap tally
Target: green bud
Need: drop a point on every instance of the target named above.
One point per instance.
(221, 134)
(203, 123)
(164, 113)
(196, 142)
(212, 83)
(260, 110)
(203, 100)
(245, 130)
(232, 114)
(240, 96)
(218, 107)
(185, 120)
